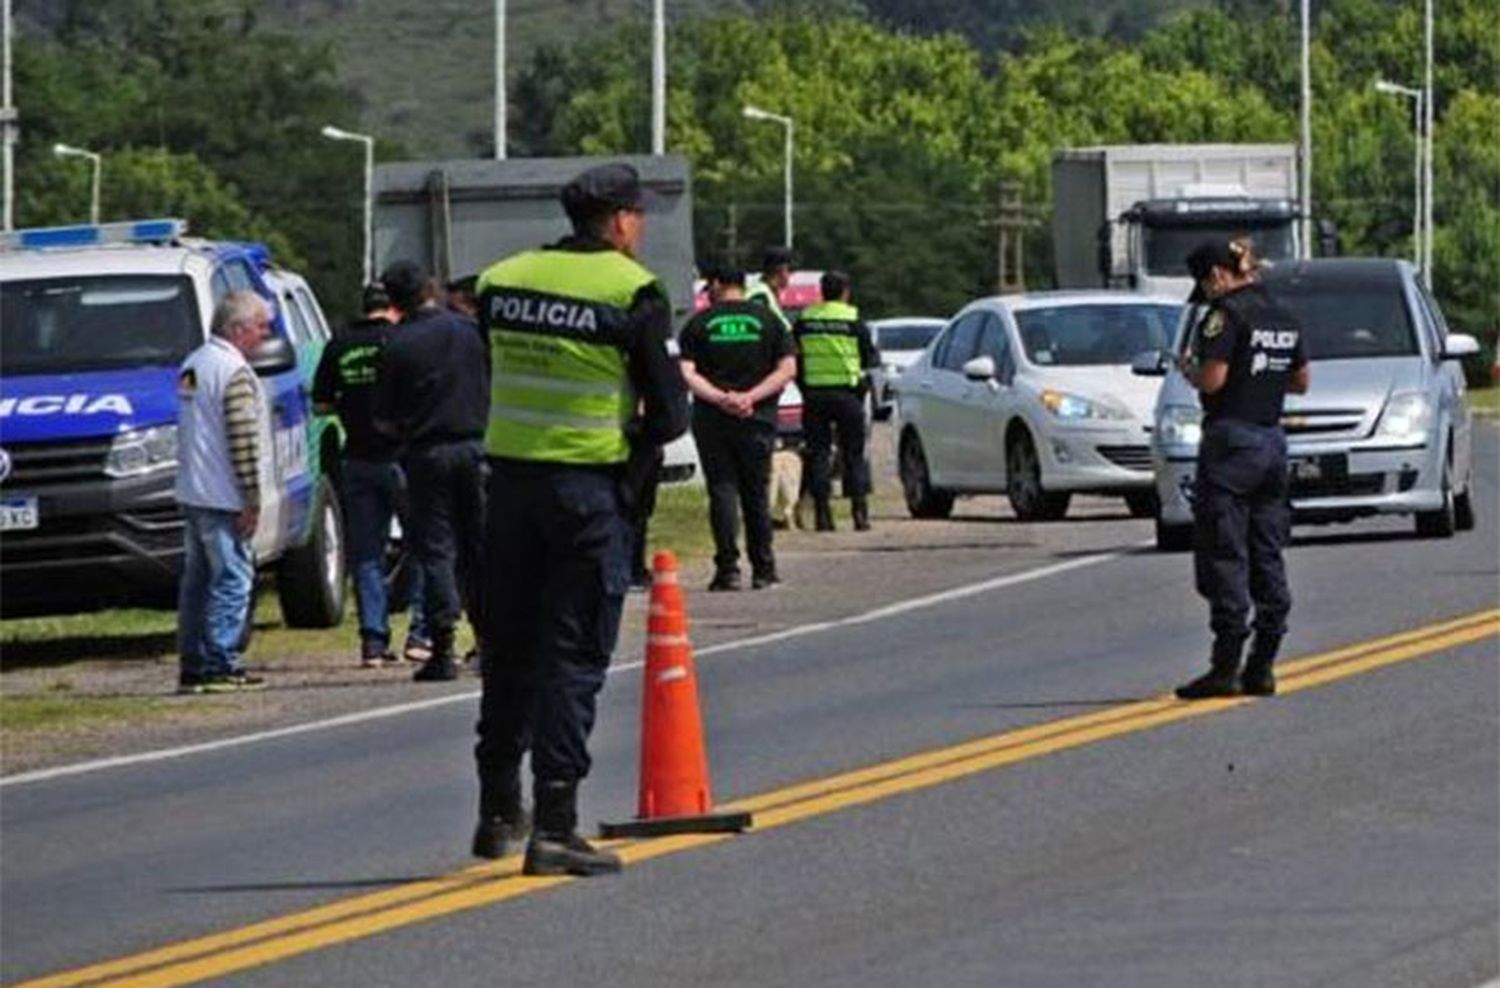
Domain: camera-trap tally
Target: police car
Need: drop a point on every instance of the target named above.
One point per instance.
(94, 322)
(1383, 429)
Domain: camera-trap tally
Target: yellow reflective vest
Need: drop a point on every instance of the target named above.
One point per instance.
(828, 345)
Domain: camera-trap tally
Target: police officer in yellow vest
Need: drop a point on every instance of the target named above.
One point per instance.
(582, 376)
(834, 349)
(775, 275)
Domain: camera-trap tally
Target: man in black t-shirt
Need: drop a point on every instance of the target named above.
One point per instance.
(737, 356)
(1247, 356)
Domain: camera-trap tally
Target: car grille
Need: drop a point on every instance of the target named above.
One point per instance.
(1128, 457)
(1323, 422)
(56, 463)
(1348, 485)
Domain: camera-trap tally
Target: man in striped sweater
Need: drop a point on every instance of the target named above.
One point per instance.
(218, 486)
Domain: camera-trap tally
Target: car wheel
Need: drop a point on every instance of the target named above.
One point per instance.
(1442, 523)
(922, 500)
(1173, 538)
(1023, 482)
(1142, 504)
(1463, 508)
(310, 578)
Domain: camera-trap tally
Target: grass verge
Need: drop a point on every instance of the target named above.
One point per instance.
(1485, 401)
(60, 711)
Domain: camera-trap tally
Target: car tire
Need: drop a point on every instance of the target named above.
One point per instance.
(1173, 538)
(1023, 484)
(310, 578)
(922, 499)
(1142, 504)
(1442, 523)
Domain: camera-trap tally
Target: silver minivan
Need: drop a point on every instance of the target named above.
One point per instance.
(1383, 429)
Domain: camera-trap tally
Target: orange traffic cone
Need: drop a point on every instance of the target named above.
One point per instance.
(674, 793)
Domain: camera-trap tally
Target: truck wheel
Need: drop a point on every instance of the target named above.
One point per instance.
(922, 500)
(1023, 484)
(1173, 538)
(310, 578)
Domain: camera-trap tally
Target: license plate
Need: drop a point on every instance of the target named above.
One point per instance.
(1307, 468)
(19, 514)
(1329, 468)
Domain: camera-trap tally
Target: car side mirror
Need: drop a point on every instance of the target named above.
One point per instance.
(275, 355)
(980, 369)
(1151, 363)
(1459, 345)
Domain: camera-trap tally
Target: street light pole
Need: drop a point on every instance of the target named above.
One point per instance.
(500, 91)
(1306, 130)
(1427, 158)
(97, 161)
(756, 113)
(659, 77)
(1417, 224)
(336, 134)
(7, 126)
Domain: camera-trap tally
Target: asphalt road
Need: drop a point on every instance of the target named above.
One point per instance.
(1343, 833)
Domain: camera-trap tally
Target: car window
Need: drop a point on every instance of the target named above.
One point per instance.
(994, 343)
(311, 314)
(906, 335)
(219, 286)
(97, 322)
(960, 342)
(1095, 334)
(1349, 316)
(238, 276)
(296, 320)
(1437, 329)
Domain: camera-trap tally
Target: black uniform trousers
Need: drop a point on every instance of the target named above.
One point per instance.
(824, 412)
(736, 458)
(558, 548)
(445, 490)
(1242, 518)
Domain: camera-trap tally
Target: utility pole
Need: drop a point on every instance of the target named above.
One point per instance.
(500, 93)
(659, 77)
(1011, 226)
(1427, 158)
(8, 128)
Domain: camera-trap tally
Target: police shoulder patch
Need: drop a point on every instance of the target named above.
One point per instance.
(1214, 325)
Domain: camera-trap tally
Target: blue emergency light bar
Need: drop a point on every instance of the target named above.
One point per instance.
(92, 235)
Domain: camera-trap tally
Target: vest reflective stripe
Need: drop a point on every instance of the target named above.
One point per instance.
(561, 397)
(829, 348)
(762, 293)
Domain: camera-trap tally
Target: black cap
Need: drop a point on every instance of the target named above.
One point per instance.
(1202, 259)
(603, 189)
(776, 257)
(375, 297)
(405, 282)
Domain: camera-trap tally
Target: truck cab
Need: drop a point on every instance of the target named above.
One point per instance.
(94, 324)
(1159, 234)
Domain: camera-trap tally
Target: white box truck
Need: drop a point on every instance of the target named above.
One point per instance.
(1127, 215)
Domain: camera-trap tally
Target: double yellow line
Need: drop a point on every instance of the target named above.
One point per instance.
(361, 916)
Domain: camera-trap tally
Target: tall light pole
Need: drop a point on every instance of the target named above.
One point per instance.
(68, 151)
(1306, 168)
(500, 97)
(756, 113)
(659, 77)
(335, 134)
(7, 126)
(1417, 225)
(1427, 159)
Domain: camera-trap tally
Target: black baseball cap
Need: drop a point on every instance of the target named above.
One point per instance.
(603, 189)
(1201, 261)
(405, 281)
(375, 297)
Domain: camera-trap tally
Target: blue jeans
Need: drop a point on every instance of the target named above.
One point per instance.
(372, 492)
(213, 599)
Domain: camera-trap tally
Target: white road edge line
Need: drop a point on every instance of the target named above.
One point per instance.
(397, 710)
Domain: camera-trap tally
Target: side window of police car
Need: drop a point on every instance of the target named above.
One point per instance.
(296, 319)
(959, 343)
(311, 315)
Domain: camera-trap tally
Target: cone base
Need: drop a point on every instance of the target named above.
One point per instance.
(709, 823)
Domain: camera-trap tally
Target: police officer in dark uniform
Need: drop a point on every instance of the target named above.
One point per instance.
(1248, 354)
(585, 390)
(432, 395)
(834, 349)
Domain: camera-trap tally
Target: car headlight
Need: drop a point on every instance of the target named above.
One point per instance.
(142, 451)
(1407, 418)
(1180, 425)
(1072, 407)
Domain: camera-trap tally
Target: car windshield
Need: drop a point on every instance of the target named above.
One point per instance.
(906, 335)
(1344, 318)
(96, 323)
(1167, 247)
(1082, 335)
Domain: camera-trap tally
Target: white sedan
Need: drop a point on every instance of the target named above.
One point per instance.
(1033, 396)
(900, 340)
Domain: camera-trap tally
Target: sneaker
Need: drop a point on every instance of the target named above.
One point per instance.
(373, 655)
(438, 669)
(190, 683)
(417, 649)
(567, 855)
(493, 835)
(728, 580)
(764, 580)
(231, 682)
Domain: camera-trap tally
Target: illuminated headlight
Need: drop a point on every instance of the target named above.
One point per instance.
(1073, 408)
(142, 451)
(1180, 425)
(1407, 418)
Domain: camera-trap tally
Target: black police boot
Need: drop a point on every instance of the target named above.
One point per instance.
(860, 508)
(1257, 679)
(502, 818)
(822, 516)
(441, 667)
(1221, 678)
(555, 847)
